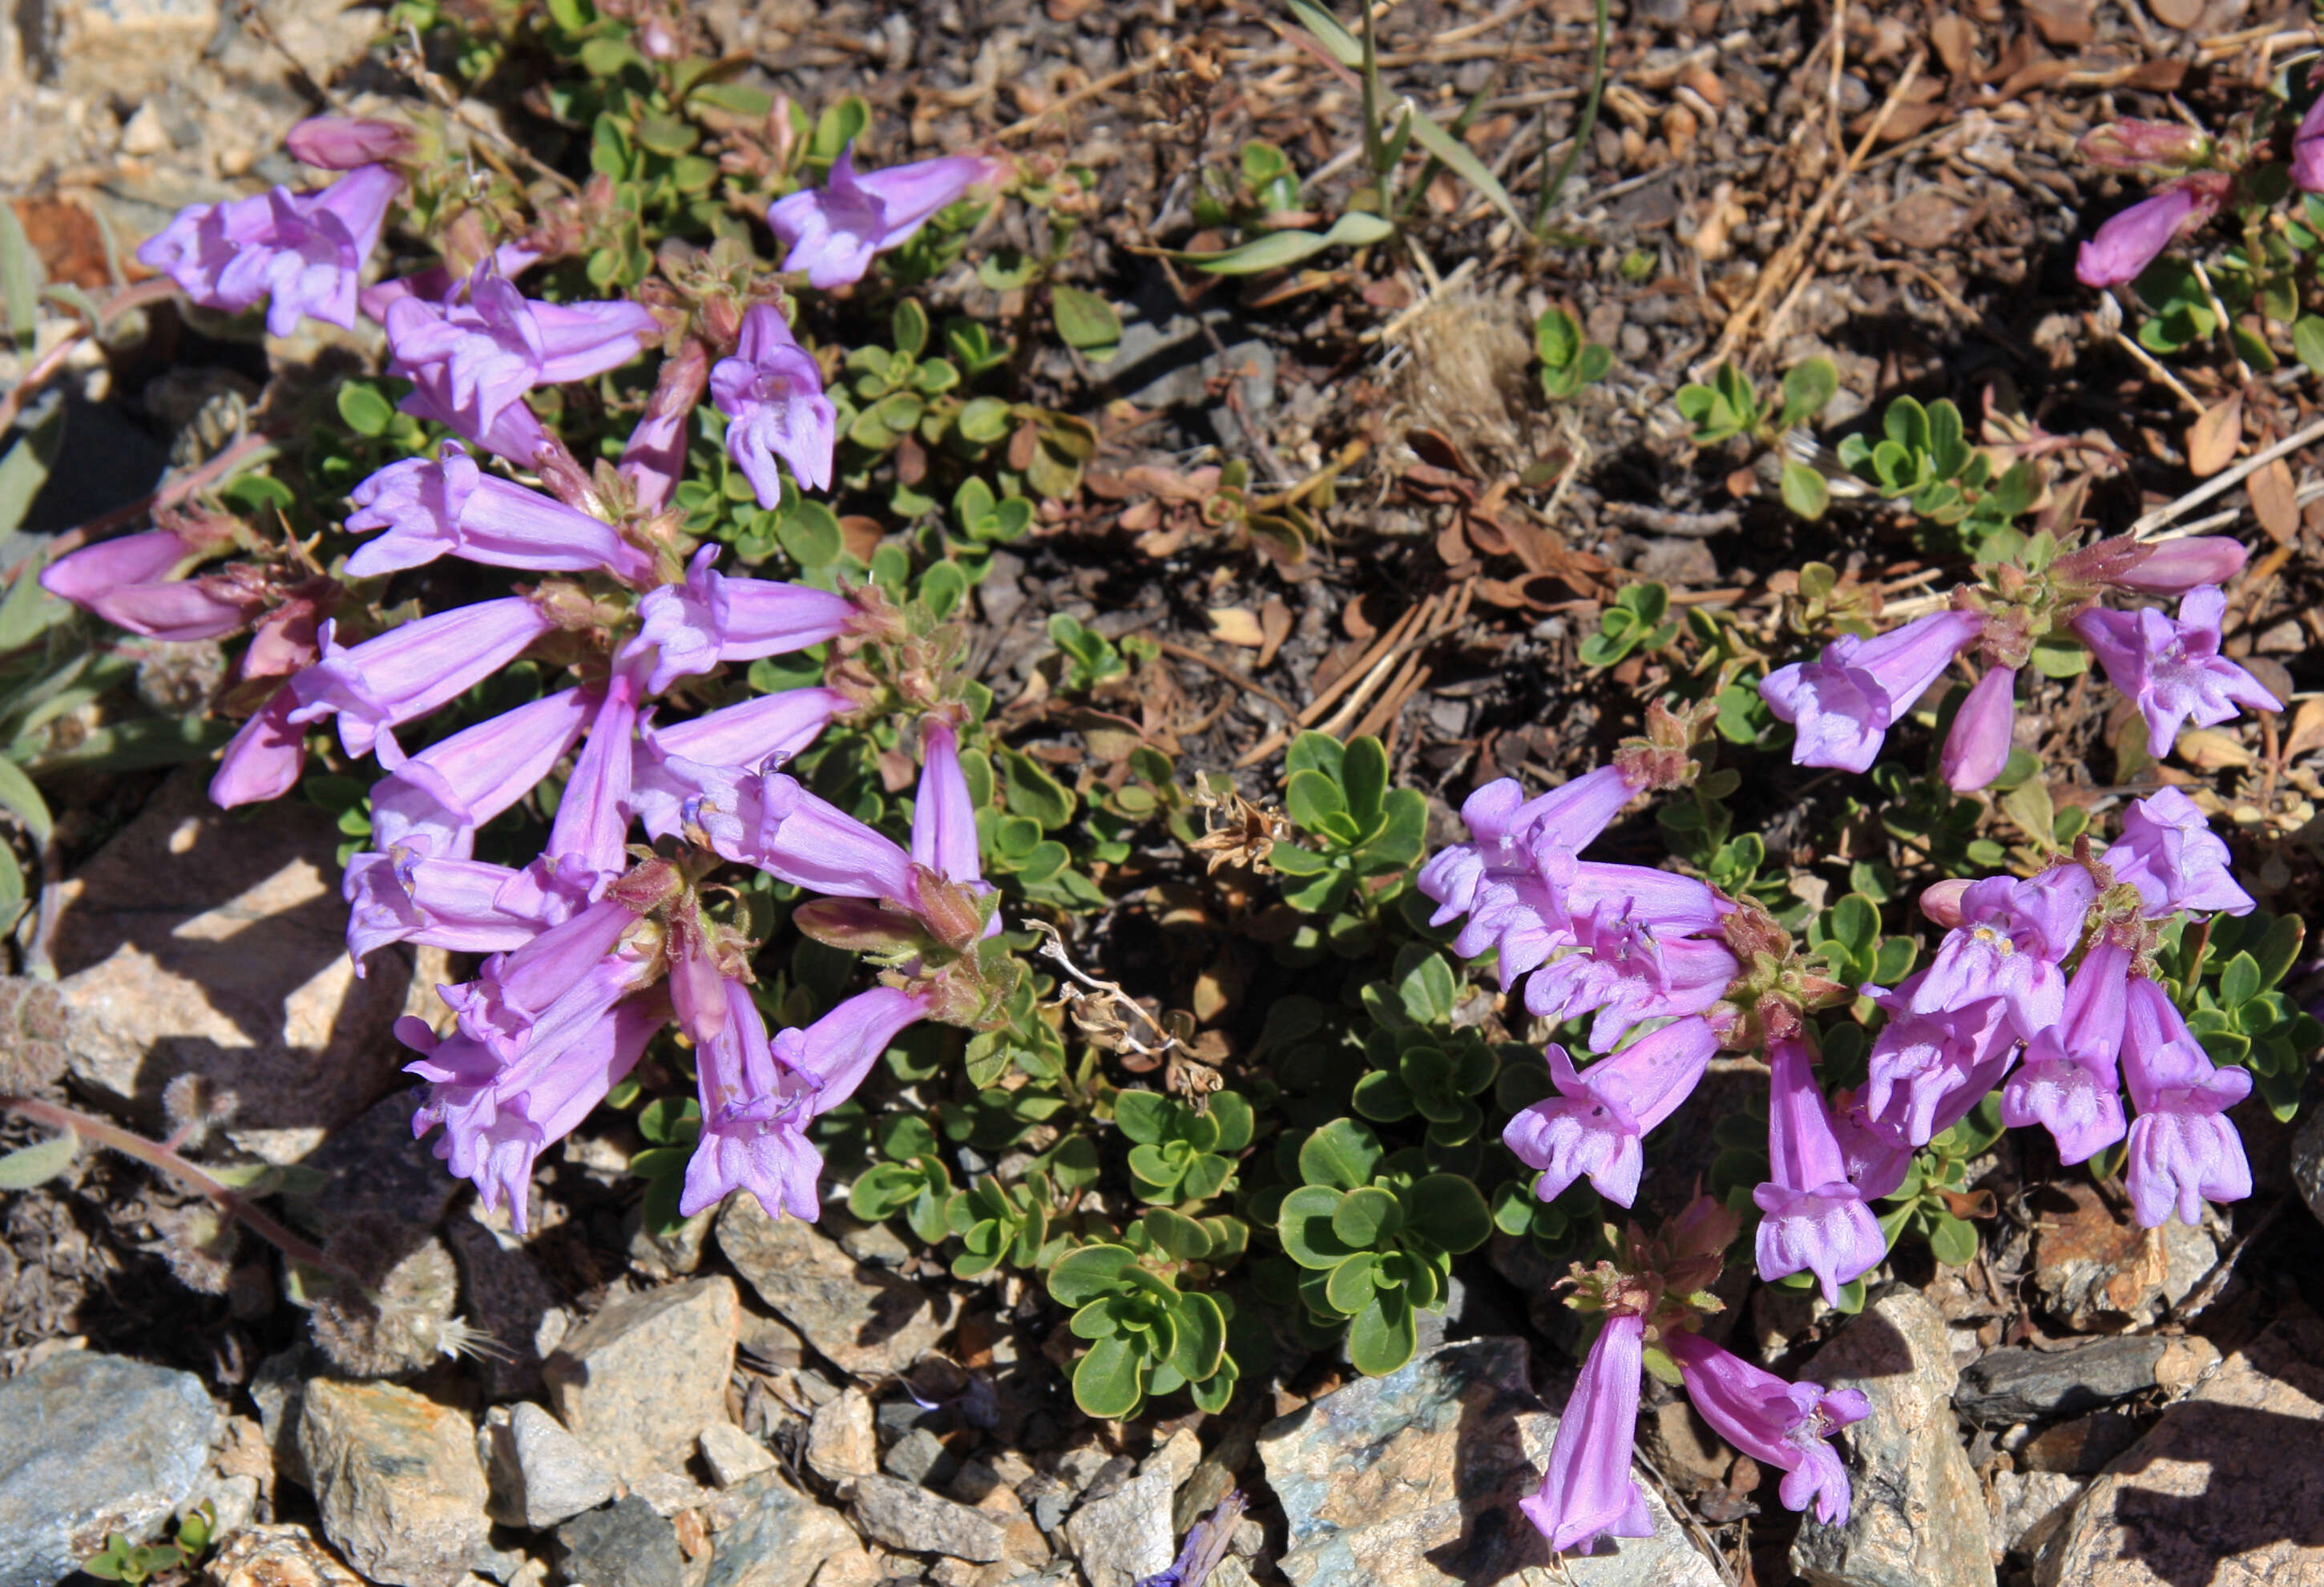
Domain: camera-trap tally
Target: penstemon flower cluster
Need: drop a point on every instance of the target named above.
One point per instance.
(2043, 988)
(595, 945)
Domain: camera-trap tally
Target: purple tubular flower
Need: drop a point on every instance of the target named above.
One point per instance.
(1775, 1423)
(1502, 823)
(562, 979)
(834, 231)
(410, 670)
(757, 1098)
(1876, 1154)
(300, 251)
(450, 507)
(2308, 150)
(1629, 968)
(1587, 1491)
(655, 458)
(591, 832)
(1815, 1218)
(2173, 668)
(342, 143)
(2012, 938)
(2068, 1083)
(264, 757)
(499, 1117)
(471, 362)
(711, 618)
(433, 803)
(1844, 702)
(1927, 1071)
(2175, 567)
(2168, 852)
(1978, 747)
(943, 821)
(2183, 1150)
(132, 582)
(771, 728)
(772, 394)
(2131, 241)
(1594, 1124)
(464, 906)
(768, 819)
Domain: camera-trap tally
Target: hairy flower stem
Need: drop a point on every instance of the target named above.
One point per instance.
(1582, 129)
(156, 1155)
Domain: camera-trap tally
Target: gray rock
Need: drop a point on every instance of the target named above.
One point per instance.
(906, 1516)
(2027, 1506)
(504, 1293)
(1126, 1535)
(867, 1321)
(538, 1474)
(920, 1456)
(841, 1443)
(732, 1454)
(1919, 1516)
(1412, 1481)
(2024, 1385)
(279, 1389)
(282, 1556)
(2081, 1447)
(2096, 1268)
(92, 1445)
(2228, 1486)
(641, 1379)
(625, 1545)
(2308, 1161)
(371, 1165)
(781, 1540)
(211, 942)
(396, 1477)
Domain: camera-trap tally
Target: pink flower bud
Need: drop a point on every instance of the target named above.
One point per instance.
(2175, 567)
(1978, 747)
(1941, 901)
(2129, 145)
(342, 143)
(2308, 150)
(2133, 239)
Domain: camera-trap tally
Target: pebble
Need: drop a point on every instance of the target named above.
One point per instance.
(1412, 1481)
(2308, 1161)
(2227, 1486)
(625, 1544)
(865, 1320)
(397, 1480)
(1919, 1517)
(537, 1472)
(199, 942)
(2026, 1385)
(732, 1454)
(2026, 1508)
(781, 1540)
(639, 1380)
(281, 1556)
(842, 1441)
(2095, 1268)
(920, 1456)
(1125, 1535)
(505, 1293)
(906, 1516)
(95, 1445)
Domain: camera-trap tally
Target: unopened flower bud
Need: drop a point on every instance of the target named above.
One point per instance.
(342, 143)
(1941, 901)
(2175, 567)
(1978, 747)
(2131, 241)
(2129, 145)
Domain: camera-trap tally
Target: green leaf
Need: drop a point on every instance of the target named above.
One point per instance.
(1341, 45)
(1953, 1239)
(1178, 1235)
(1449, 1210)
(1110, 1381)
(1304, 1226)
(1144, 1116)
(38, 1164)
(1435, 139)
(1383, 1336)
(20, 278)
(2307, 341)
(1342, 1155)
(1231, 1111)
(809, 532)
(1807, 388)
(23, 471)
(1278, 250)
(1363, 777)
(1082, 1276)
(1085, 321)
(1366, 1217)
(1805, 492)
(21, 799)
(1202, 1336)
(365, 411)
(2239, 981)
(1312, 800)
(2059, 658)
(1350, 1289)
(1030, 790)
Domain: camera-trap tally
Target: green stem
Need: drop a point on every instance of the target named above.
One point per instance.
(1375, 149)
(1460, 124)
(1588, 124)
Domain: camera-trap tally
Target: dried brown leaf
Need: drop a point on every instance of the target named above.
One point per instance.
(2275, 500)
(2212, 439)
